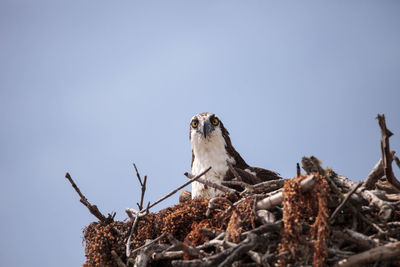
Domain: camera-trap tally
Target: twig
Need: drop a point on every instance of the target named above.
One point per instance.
(239, 183)
(180, 187)
(168, 255)
(382, 253)
(192, 251)
(92, 208)
(270, 202)
(385, 207)
(150, 243)
(130, 212)
(272, 227)
(117, 259)
(144, 257)
(298, 171)
(220, 187)
(234, 172)
(143, 186)
(212, 203)
(355, 237)
(376, 173)
(269, 186)
(217, 259)
(138, 215)
(249, 243)
(339, 208)
(386, 154)
(397, 160)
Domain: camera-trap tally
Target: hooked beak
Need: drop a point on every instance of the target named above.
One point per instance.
(207, 128)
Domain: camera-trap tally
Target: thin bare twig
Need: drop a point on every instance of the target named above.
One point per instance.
(143, 186)
(92, 208)
(339, 208)
(180, 187)
(355, 237)
(220, 187)
(135, 222)
(397, 160)
(249, 243)
(150, 243)
(234, 172)
(212, 203)
(239, 183)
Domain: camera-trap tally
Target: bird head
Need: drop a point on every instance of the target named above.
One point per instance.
(206, 126)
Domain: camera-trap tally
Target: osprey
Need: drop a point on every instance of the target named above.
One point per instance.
(212, 146)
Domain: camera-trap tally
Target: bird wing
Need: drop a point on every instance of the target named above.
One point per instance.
(264, 174)
(252, 175)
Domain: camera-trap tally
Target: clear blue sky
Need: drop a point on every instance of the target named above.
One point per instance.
(90, 87)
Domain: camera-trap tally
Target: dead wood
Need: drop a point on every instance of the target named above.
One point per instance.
(142, 185)
(92, 208)
(344, 201)
(386, 153)
(180, 187)
(376, 173)
(355, 237)
(249, 243)
(220, 187)
(382, 253)
(272, 201)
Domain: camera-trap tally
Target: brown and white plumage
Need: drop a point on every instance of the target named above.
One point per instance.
(212, 146)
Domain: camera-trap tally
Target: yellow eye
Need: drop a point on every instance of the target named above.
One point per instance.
(195, 124)
(214, 121)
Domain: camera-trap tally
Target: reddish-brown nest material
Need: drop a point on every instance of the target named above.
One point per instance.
(184, 221)
(305, 217)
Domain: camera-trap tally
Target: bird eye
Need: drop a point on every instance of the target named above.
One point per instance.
(195, 124)
(214, 121)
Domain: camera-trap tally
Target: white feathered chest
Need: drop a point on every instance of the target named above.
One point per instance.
(209, 152)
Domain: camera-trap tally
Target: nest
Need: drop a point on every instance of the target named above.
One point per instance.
(315, 219)
(226, 230)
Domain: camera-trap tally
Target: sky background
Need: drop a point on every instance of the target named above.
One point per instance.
(90, 87)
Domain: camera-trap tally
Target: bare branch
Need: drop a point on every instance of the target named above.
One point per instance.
(339, 208)
(135, 222)
(386, 154)
(180, 187)
(249, 243)
(234, 172)
(220, 187)
(376, 173)
(142, 185)
(150, 243)
(92, 208)
(397, 160)
(355, 237)
(382, 253)
(212, 203)
(270, 202)
(138, 174)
